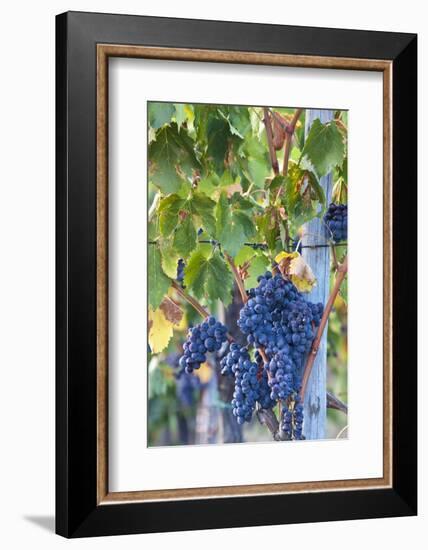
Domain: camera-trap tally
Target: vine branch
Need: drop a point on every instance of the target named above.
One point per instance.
(267, 418)
(341, 273)
(333, 402)
(288, 139)
(237, 277)
(201, 310)
(269, 136)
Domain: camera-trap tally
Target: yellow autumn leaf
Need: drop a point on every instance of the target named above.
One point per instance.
(286, 256)
(189, 113)
(294, 266)
(183, 325)
(160, 330)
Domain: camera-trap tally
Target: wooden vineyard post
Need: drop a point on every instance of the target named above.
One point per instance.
(315, 402)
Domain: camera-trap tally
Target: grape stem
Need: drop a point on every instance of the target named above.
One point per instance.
(202, 311)
(341, 273)
(237, 277)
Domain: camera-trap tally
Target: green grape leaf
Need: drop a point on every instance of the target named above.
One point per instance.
(185, 237)
(193, 273)
(324, 147)
(180, 114)
(246, 253)
(268, 227)
(239, 121)
(159, 283)
(208, 276)
(153, 228)
(202, 113)
(169, 258)
(278, 182)
(253, 160)
(233, 226)
(218, 133)
(209, 184)
(317, 189)
(302, 197)
(257, 267)
(222, 214)
(202, 208)
(160, 114)
(168, 210)
(258, 171)
(172, 159)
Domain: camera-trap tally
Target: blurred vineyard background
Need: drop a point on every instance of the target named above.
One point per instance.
(195, 408)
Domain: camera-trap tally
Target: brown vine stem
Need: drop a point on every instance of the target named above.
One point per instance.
(190, 300)
(269, 136)
(333, 402)
(289, 132)
(289, 139)
(341, 273)
(267, 418)
(237, 277)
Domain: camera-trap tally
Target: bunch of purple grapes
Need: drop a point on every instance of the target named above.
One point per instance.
(278, 320)
(208, 336)
(246, 394)
(180, 271)
(336, 220)
(292, 420)
(278, 317)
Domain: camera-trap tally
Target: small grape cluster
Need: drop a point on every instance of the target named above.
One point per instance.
(283, 377)
(336, 220)
(292, 420)
(180, 271)
(246, 394)
(208, 336)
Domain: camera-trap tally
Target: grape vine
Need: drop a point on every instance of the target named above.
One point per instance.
(231, 189)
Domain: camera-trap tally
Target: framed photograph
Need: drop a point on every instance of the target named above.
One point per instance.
(236, 257)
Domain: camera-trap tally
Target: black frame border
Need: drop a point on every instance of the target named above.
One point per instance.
(77, 512)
